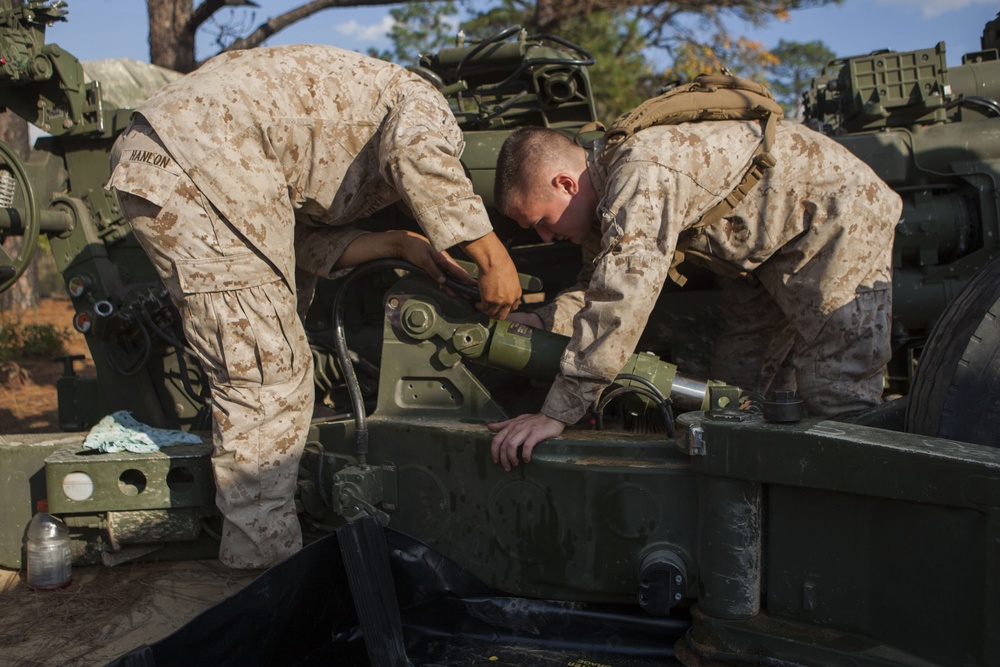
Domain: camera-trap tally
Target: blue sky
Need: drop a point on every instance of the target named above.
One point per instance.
(852, 28)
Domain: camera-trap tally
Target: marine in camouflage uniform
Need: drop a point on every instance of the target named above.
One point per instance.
(247, 173)
(805, 260)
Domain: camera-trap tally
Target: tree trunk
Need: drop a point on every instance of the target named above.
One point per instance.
(23, 293)
(171, 35)
(546, 17)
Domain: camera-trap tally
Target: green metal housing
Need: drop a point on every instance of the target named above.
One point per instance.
(783, 538)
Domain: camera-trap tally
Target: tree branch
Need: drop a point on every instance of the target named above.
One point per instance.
(273, 25)
(205, 10)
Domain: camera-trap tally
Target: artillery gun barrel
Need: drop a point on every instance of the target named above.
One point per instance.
(52, 221)
(980, 79)
(536, 353)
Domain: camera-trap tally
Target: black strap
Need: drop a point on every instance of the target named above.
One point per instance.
(366, 559)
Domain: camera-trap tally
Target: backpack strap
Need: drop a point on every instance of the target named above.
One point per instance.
(708, 97)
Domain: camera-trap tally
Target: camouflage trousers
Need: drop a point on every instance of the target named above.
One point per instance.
(835, 371)
(240, 320)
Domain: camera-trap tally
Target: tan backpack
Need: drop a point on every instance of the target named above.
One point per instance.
(708, 97)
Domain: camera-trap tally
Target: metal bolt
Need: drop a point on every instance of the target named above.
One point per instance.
(782, 396)
(393, 303)
(783, 407)
(416, 318)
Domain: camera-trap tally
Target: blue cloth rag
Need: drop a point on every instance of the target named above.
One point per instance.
(120, 431)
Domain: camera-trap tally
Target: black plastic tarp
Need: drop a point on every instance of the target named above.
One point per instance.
(302, 612)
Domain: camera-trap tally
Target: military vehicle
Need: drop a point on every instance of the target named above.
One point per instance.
(682, 522)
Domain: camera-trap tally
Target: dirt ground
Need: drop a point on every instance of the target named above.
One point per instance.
(28, 401)
(104, 612)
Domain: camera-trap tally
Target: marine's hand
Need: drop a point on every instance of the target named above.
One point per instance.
(500, 290)
(410, 246)
(524, 431)
(417, 250)
(498, 282)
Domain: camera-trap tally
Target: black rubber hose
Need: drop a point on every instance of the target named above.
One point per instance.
(179, 349)
(615, 393)
(664, 403)
(340, 344)
(643, 381)
(140, 362)
(497, 37)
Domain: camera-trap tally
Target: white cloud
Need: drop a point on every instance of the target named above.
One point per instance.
(931, 8)
(366, 32)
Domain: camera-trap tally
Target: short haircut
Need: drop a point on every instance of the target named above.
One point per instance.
(521, 158)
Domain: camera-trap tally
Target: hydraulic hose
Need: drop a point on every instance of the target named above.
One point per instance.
(343, 354)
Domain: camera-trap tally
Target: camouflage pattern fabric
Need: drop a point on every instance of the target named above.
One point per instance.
(557, 316)
(810, 247)
(247, 174)
(314, 135)
(239, 319)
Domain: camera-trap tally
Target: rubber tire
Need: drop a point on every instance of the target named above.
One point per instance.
(956, 385)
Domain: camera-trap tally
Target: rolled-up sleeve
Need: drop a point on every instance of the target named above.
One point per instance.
(318, 249)
(420, 148)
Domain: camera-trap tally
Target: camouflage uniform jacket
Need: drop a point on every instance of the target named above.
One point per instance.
(313, 135)
(817, 199)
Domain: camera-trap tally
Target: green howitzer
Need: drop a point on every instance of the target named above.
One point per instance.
(930, 132)
(772, 536)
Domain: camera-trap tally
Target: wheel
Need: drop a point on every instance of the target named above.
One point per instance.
(19, 216)
(956, 386)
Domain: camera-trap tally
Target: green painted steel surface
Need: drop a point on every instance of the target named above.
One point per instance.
(812, 542)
